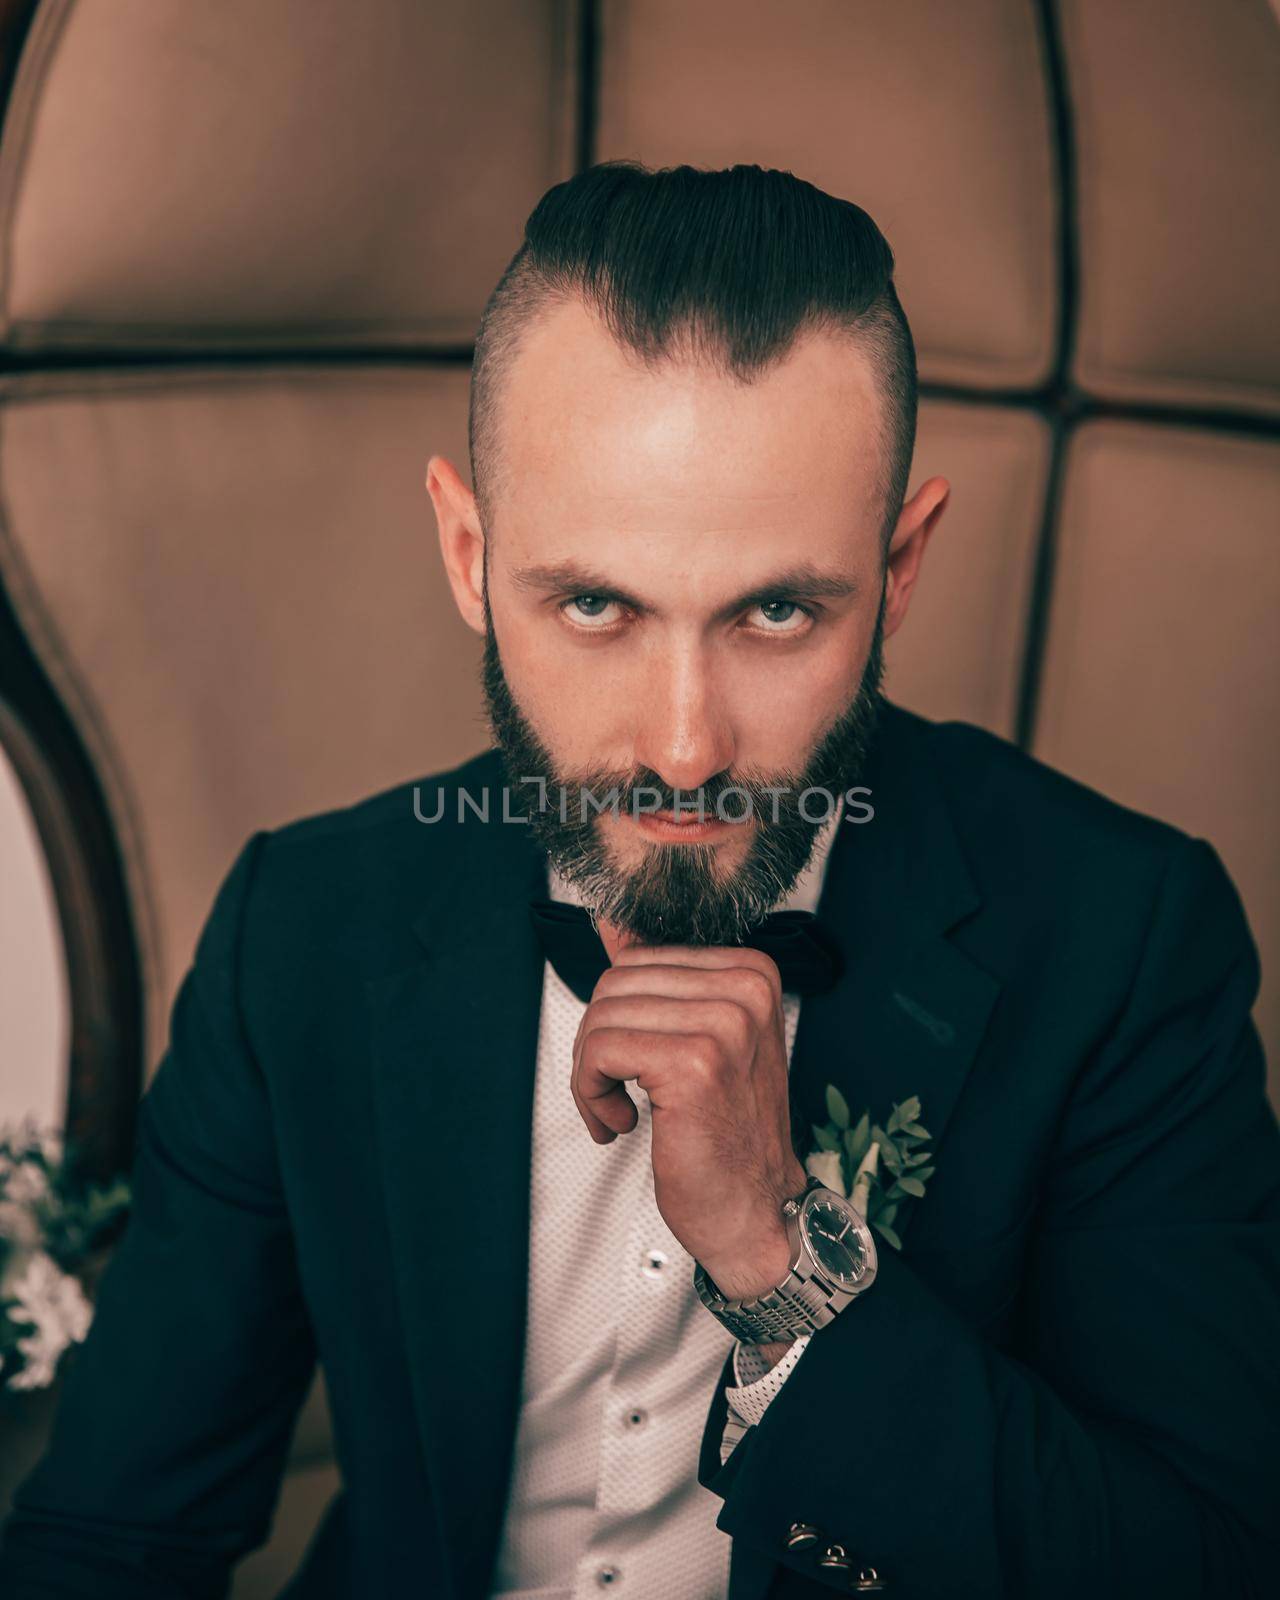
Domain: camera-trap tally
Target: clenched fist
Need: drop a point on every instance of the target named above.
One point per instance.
(700, 1030)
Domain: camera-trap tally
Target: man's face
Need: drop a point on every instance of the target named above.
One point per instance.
(681, 891)
(684, 581)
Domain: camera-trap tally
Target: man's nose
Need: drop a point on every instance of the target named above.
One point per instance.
(684, 727)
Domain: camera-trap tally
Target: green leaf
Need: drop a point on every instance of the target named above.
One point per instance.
(837, 1107)
(857, 1141)
(915, 1131)
(887, 1213)
(909, 1110)
(826, 1139)
(924, 1172)
(910, 1186)
(888, 1150)
(887, 1233)
(917, 1158)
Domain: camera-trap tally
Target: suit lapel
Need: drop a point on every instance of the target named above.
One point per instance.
(455, 1038)
(910, 1010)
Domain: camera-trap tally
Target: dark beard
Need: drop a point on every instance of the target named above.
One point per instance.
(675, 895)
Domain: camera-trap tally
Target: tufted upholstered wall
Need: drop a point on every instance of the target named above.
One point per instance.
(243, 249)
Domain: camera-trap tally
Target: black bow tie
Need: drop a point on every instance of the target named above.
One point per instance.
(807, 956)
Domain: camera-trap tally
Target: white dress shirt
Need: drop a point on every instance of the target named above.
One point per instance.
(621, 1358)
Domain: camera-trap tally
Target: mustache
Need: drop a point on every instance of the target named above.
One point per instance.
(627, 789)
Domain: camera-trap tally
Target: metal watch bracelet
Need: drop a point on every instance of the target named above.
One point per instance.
(802, 1303)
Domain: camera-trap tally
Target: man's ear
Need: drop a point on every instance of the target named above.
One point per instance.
(919, 517)
(461, 539)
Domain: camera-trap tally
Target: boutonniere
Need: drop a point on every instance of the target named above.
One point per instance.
(850, 1155)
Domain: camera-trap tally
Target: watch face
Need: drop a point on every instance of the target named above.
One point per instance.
(835, 1240)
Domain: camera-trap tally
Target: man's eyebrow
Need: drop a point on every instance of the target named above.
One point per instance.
(565, 578)
(800, 583)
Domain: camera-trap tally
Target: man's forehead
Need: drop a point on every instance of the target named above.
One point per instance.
(639, 524)
(580, 407)
(555, 522)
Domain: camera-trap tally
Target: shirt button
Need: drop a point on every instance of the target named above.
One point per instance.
(608, 1577)
(653, 1263)
(636, 1419)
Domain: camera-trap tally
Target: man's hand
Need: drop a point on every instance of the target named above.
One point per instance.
(701, 1032)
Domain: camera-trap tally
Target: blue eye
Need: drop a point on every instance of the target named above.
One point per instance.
(590, 610)
(781, 616)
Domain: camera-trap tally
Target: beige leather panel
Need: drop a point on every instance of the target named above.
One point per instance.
(234, 583)
(1179, 232)
(295, 171)
(306, 1494)
(930, 115)
(959, 653)
(1160, 686)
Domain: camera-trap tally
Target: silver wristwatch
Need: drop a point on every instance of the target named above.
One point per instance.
(833, 1261)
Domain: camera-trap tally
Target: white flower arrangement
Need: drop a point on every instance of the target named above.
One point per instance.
(848, 1155)
(52, 1223)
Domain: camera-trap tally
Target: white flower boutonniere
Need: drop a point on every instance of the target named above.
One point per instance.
(849, 1157)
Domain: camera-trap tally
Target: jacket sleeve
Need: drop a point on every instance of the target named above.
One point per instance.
(168, 1446)
(1131, 1446)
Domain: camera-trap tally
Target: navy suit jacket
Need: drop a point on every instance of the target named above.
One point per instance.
(1066, 1383)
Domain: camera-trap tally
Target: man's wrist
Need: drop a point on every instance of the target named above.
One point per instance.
(773, 1353)
(749, 1279)
(761, 1268)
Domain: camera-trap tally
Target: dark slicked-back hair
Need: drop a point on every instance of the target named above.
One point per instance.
(722, 267)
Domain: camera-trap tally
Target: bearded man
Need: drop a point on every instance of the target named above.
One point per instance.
(498, 1092)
